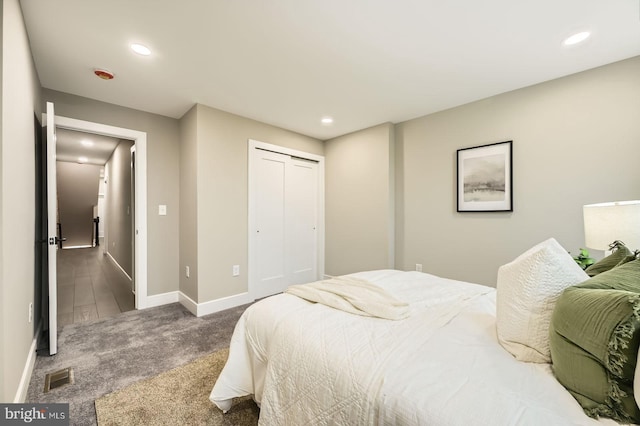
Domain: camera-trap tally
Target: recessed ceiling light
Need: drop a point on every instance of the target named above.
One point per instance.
(82, 159)
(141, 49)
(87, 142)
(327, 120)
(576, 38)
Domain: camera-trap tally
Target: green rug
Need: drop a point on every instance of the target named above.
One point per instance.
(176, 397)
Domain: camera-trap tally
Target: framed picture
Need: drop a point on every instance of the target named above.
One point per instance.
(485, 178)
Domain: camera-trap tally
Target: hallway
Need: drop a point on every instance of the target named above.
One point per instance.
(90, 286)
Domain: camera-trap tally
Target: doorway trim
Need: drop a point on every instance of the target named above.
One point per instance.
(140, 232)
(253, 146)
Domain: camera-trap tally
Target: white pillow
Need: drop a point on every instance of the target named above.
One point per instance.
(527, 291)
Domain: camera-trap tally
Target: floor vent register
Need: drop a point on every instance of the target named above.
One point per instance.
(58, 379)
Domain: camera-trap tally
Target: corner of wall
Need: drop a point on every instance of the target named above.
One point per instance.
(398, 166)
(360, 200)
(392, 196)
(188, 238)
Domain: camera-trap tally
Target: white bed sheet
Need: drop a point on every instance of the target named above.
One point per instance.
(310, 364)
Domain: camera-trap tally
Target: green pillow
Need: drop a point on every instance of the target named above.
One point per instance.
(632, 256)
(620, 252)
(594, 338)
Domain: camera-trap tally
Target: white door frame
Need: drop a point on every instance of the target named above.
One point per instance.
(140, 231)
(254, 145)
(133, 165)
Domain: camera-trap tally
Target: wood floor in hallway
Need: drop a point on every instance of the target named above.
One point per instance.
(90, 286)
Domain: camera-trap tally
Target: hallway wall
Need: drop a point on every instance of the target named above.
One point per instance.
(119, 211)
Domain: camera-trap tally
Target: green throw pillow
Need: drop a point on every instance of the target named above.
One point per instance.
(620, 252)
(632, 256)
(594, 338)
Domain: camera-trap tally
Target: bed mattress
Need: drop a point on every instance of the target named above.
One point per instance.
(307, 363)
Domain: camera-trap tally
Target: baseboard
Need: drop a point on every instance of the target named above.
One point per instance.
(188, 303)
(213, 306)
(162, 299)
(115, 262)
(23, 386)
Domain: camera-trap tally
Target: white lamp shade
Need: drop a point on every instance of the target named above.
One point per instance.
(606, 222)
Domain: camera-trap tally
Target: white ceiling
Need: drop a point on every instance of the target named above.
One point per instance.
(69, 147)
(291, 62)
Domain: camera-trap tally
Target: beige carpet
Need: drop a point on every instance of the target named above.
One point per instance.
(176, 397)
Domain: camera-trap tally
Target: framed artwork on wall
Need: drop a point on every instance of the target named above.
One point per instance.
(485, 178)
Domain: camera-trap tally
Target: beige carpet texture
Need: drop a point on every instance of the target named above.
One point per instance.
(176, 397)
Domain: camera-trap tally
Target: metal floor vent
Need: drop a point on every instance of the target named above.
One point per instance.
(58, 379)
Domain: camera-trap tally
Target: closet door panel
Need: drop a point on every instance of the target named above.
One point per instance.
(271, 230)
(302, 208)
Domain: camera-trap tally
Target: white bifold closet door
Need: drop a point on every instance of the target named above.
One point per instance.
(286, 210)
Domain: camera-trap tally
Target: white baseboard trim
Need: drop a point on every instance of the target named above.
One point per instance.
(23, 386)
(188, 303)
(162, 299)
(213, 306)
(115, 262)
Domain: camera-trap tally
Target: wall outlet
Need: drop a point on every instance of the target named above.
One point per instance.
(236, 270)
(419, 267)
(187, 271)
(30, 312)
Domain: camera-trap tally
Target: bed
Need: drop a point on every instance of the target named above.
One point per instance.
(307, 363)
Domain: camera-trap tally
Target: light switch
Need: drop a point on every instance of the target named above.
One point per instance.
(162, 210)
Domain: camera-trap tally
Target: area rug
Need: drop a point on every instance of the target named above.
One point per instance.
(176, 397)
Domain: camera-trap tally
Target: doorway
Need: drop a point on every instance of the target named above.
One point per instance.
(94, 190)
(286, 218)
(139, 219)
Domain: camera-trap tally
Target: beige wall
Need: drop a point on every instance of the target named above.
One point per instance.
(77, 194)
(222, 197)
(20, 99)
(163, 162)
(188, 203)
(575, 141)
(360, 201)
(119, 210)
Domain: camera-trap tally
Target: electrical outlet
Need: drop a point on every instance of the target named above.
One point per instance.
(419, 267)
(187, 272)
(236, 270)
(30, 312)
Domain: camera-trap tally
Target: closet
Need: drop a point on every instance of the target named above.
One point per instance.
(285, 220)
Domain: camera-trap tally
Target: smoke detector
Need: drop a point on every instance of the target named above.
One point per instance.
(103, 74)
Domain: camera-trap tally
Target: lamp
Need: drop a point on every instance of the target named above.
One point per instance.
(605, 223)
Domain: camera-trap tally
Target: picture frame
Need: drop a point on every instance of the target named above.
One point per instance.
(485, 178)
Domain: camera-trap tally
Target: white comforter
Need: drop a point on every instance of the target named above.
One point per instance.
(311, 364)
